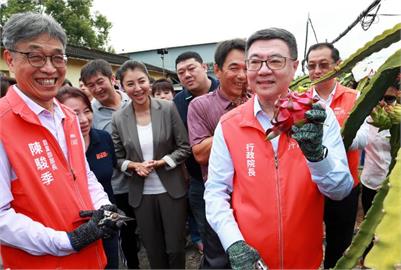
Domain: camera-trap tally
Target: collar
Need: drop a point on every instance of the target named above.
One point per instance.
(227, 104)
(98, 106)
(256, 106)
(330, 97)
(188, 95)
(94, 137)
(36, 108)
(257, 109)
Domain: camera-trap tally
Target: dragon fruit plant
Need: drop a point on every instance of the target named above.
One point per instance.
(290, 110)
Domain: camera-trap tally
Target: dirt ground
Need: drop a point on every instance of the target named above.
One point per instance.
(192, 259)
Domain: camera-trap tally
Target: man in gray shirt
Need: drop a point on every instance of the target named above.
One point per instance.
(97, 75)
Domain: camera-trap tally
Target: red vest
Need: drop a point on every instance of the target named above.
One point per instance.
(342, 104)
(279, 210)
(48, 189)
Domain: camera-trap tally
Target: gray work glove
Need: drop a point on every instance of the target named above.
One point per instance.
(242, 256)
(109, 207)
(109, 227)
(309, 136)
(88, 232)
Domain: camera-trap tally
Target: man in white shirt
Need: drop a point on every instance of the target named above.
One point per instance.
(264, 198)
(339, 216)
(45, 180)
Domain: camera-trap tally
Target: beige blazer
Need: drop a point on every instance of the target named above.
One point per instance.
(169, 138)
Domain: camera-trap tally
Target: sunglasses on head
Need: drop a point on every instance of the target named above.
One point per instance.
(389, 99)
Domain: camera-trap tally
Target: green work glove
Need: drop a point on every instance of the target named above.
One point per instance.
(309, 136)
(242, 256)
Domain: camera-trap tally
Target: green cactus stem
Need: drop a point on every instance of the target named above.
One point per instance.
(380, 42)
(366, 231)
(391, 214)
(371, 95)
(386, 251)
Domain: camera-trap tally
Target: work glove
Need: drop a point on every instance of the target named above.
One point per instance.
(109, 207)
(109, 227)
(309, 136)
(242, 256)
(88, 232)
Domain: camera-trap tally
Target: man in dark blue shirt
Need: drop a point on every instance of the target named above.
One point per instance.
(192, 73)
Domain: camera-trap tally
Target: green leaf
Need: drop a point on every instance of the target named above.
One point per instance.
(82, 28)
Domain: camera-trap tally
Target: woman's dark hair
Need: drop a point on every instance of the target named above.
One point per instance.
(67, 92)
(161, 85)
(5, 83)
(130, 65)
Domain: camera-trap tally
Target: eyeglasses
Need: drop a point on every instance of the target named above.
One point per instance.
(39, 60)
(322, 66)
(389, 99)
(275, 62)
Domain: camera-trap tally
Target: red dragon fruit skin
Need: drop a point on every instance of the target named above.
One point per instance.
(290, 110)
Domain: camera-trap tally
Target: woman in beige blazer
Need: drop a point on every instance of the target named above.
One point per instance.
(151, 144)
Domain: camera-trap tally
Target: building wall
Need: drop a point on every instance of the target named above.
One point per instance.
(74, 67)
(206, 51)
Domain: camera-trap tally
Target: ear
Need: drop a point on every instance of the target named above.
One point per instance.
(217, 71)
(204, 66)
(295, 64)
(9, 59)
(113, 80)
(338, 62)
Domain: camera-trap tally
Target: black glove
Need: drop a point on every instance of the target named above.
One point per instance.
(113, 225)
(109, 207)
(242, 256)
(109, 227)
(88, 232)
(309, 136)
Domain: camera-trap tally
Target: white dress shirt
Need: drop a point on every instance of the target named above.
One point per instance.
(377, 158)
(361, 136)
(19, 230)
(331, 175)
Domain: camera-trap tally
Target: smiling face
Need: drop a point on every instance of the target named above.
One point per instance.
(85, 115)
(232, 76)
(101, 87)
(266, 83)
(38, 83)
(136, 84)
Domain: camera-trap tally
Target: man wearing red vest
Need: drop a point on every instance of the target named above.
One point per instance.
(339, 216)
(264, 198)
(45, 180)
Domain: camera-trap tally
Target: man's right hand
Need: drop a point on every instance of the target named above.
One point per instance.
(242, 256)
(88, 232)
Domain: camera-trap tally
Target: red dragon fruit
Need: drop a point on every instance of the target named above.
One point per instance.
(290, 110)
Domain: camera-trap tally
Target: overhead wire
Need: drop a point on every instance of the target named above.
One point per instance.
(360, 17)
(368, 19)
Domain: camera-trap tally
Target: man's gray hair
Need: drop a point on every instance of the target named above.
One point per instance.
(28, 25)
